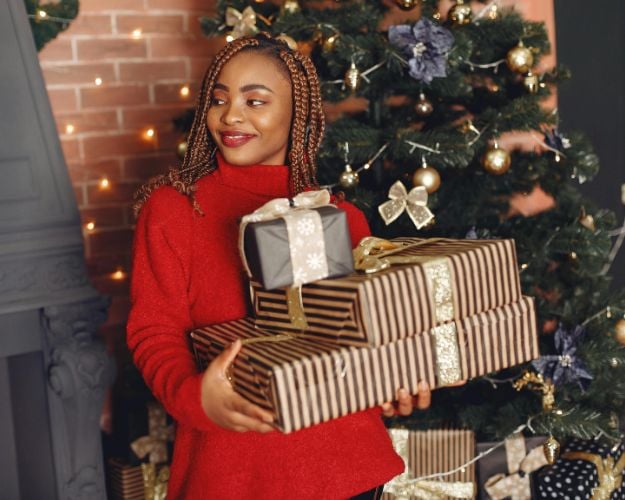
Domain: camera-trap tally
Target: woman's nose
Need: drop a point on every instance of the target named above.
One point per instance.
(232, 114)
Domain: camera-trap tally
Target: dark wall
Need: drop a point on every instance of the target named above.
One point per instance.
(591, 42)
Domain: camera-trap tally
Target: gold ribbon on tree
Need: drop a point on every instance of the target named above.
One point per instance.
(404, 486)
(414, 202)
(242, 23)
(155, 484)
(515, 485)
(155, 443)
(609, 471)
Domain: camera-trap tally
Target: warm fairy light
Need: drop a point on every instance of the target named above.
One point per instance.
(119, 274)
(90, 226)
(136, 33)
(149, 133)
(229, 37)
(184, 90)
(104, 183)
(366, 166)
(69, 128)
(98, 81)
(42, 14)
(524, 267)
(493, 12)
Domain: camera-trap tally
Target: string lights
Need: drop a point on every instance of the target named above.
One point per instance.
(366, 166)
(104, 183)
(185, 91)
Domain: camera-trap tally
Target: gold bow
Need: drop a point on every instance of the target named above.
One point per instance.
(376, 254)
(610, 472)
(404, 487)
(155, 485)
(414, 202)
(514, 485)
(154, 444)
(243, 23)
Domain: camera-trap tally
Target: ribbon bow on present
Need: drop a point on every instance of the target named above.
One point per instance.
(610, 473)
(515, 485)
(243, 23)
(405, 487)
(414, 202)
(155, 443)
(155, 482)
(277, 207)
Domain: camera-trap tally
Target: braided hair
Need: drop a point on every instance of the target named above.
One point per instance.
(307, 125)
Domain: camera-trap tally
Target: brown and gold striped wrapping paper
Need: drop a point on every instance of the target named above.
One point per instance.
(374, 309)
(437, 451)
(125, 481)
(304, 381)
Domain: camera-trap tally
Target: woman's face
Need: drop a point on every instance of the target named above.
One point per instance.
(250, 112)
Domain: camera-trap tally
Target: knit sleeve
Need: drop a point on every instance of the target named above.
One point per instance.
(160, 318)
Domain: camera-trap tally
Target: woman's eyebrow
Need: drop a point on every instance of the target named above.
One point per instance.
(245, 88)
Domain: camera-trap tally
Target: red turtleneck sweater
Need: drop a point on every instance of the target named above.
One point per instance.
(187, 273)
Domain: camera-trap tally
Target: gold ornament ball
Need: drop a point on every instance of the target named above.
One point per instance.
(619, 331)
(588, 222)
(406, 4)
(423, 107)
(349, 178)
(551, 448)
(428, 177)
(460, 13)
(520, 59)
(496, 161)
(330, 42)
(530, 82)
(288, 40)
(352, 78)
(181, 149)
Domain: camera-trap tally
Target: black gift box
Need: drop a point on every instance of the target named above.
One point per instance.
(496, 463)
(586, 469)
(267, 251)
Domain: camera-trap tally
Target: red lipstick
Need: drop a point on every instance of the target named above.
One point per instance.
(235, 139)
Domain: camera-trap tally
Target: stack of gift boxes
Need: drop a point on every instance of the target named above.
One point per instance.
(327, 340)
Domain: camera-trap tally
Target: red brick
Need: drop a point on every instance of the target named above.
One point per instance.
(151, 71)
(141, 168)
(104, 217)
(59, 49)
(167, 93)
(186, 5)
(109, 5)
(108, 242)
(161, 117)
(105, 265)
(88, 121)
(90, 24)
(118, 192)
(98, 49)
(103, 282)
(71, 149)
(120, 95)
(77, 73)
(62, 100)
(159, 24)
(119, 144)
(188, 46)
(94, 170)
(198, 68)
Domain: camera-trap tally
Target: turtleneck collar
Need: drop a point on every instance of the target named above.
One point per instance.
(269, 180)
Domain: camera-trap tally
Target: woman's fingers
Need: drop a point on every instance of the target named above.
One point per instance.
(226, 358)
(244, 407)
(242, 423)
(424, 396)
(404, 402)
(388, 410)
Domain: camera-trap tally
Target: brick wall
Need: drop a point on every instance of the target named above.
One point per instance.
(103, 127)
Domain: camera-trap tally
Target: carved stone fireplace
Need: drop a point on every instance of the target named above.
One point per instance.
(53, 372)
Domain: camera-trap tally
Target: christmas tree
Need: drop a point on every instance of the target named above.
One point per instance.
(48, 19)
(427, 102)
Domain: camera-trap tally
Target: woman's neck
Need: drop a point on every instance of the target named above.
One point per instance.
(270, 180)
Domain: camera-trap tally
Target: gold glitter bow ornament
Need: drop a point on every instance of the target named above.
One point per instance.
(404, 487)
(514, 485)
(414, 202)
(609, 472)
(155, 443)
(155, 483)
(242, 23)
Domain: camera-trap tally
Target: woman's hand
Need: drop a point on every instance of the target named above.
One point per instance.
(223, 405)
(407, 402)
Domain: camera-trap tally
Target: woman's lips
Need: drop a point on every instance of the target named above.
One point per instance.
(235, 139)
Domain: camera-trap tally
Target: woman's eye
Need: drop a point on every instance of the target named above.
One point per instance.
(255, 102)
(216, 101)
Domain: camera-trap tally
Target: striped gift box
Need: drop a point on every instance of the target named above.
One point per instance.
(304, 381)
(125, 481)
(374, 309)
(430, 452)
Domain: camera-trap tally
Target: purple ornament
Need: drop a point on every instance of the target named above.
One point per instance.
(426, 44)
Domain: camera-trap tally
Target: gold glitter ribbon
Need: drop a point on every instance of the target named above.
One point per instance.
(405, 487)
(610, 473)
(159, 433)
(514, 485)
(155, 484)
(375, 254)
(413, 202)
(242, 23)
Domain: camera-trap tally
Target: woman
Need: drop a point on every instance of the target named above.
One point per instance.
(259, 110)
